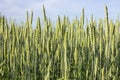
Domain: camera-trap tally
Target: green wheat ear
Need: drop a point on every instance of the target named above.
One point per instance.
(31, 18)
(44, 13)
(107, 23)
(27, 15)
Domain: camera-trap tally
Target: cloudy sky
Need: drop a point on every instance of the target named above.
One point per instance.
(16, 9)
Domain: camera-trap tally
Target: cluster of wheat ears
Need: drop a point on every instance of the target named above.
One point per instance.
(72, 50)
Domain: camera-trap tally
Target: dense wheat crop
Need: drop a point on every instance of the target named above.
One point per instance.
(71, 50)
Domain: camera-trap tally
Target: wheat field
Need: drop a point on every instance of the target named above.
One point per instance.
(72, 50)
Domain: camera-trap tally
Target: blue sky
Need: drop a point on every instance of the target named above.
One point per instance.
(16, 9)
